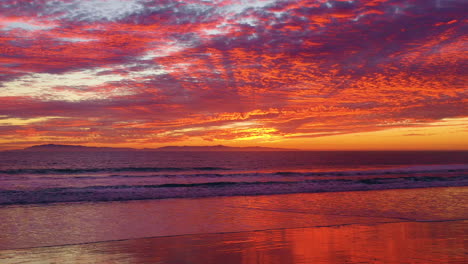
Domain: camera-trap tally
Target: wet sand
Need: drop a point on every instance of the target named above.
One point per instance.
(410, 242)
(391, 226)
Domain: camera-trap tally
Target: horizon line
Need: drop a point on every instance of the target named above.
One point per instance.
(238, 147)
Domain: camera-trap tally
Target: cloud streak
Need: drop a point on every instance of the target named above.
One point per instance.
(145, 72)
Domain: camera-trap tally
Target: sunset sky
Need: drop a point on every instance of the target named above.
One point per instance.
(317, 74)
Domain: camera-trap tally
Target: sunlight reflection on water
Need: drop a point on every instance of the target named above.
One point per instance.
(409, 242)
(345, 227)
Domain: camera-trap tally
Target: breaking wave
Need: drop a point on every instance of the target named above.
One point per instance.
(137, 187)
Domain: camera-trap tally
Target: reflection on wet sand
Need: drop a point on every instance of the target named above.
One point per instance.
(405, 242)
(392, 226)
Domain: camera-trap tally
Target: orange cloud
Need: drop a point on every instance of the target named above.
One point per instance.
(267, 73)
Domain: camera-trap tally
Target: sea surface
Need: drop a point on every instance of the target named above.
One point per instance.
(48, 177)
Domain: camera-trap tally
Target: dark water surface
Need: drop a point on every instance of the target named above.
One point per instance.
(46, 177)
(14, 162)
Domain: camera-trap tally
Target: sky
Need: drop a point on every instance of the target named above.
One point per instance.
(317, 74)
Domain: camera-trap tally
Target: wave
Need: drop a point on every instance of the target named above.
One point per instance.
(392, 170)
(98, 170)
(219, 172)
(224, 188)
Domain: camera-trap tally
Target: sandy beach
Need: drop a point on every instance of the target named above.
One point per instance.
(389, 226)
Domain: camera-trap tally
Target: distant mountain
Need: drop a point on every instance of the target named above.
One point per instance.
(57, 147)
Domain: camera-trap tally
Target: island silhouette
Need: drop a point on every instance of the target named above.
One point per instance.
(60, 147)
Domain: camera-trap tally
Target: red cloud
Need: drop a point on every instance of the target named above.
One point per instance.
(190, 70)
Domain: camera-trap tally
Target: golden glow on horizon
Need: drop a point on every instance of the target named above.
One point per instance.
(447, 134)
(450, 134)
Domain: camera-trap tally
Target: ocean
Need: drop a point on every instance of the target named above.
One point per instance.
(295, 207)
(50, 177)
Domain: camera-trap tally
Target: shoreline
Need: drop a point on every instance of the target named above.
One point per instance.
(409, 242)
(85, 223)
(239, 232)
